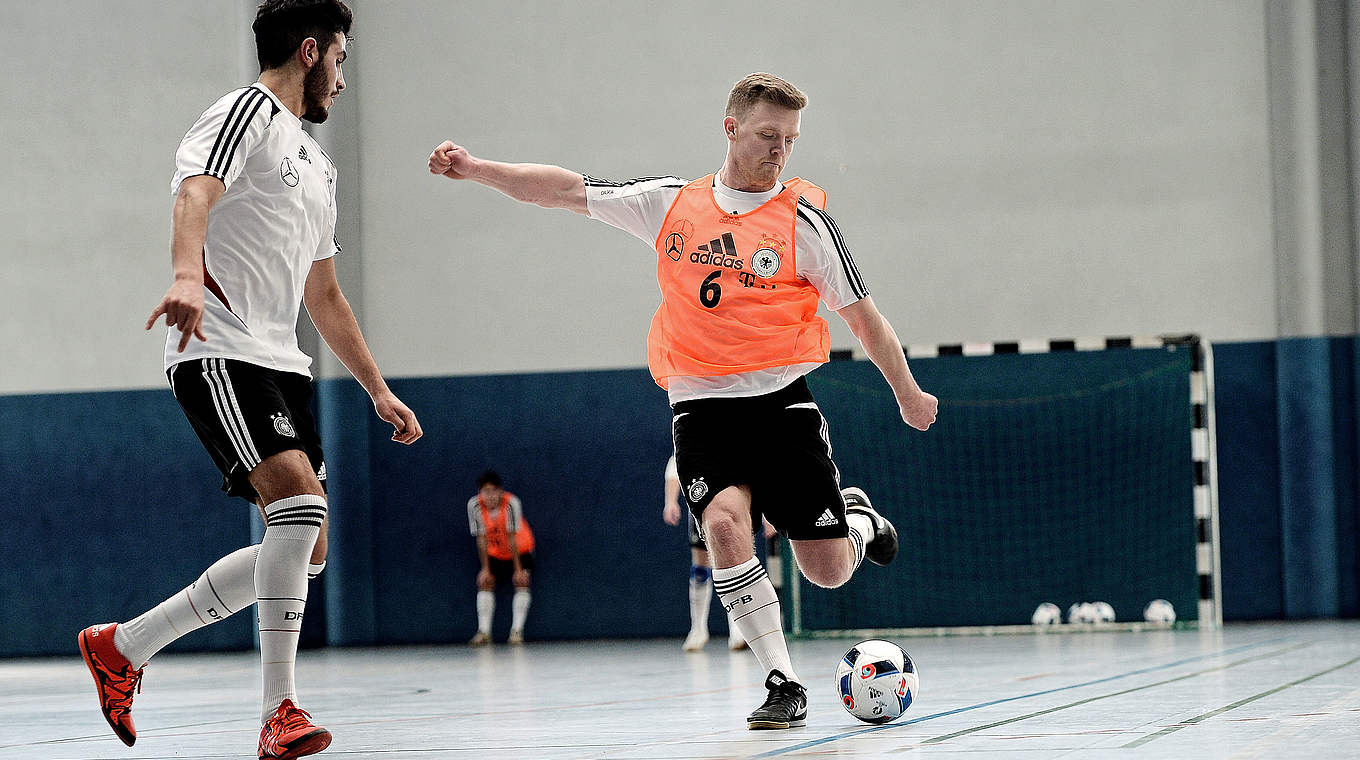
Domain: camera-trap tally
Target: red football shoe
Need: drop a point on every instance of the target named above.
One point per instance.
(289, 733)
(114, 679)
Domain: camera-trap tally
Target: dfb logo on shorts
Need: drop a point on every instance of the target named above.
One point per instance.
(697, 490)
(283, 425)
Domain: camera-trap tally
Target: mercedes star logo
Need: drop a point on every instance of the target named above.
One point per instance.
(288, 173)
(675, 246)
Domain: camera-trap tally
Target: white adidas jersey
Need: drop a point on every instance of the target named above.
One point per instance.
(639, 206)
(276, 217)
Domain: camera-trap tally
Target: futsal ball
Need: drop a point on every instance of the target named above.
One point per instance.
(1046, 614)
(877, 680)
(1159, 611)
(1102, 612)
(1081, 612)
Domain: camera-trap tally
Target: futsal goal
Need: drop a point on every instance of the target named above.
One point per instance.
(1058, 471)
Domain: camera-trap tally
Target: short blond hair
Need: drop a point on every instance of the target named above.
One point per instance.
(761, 86)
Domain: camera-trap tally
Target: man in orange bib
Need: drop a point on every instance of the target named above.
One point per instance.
(742, 260)
(505, 546)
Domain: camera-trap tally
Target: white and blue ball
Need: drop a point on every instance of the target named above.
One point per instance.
(1083, 613)
(1046, 614)
(877, 681)
(1102, 612)
(1159, 611)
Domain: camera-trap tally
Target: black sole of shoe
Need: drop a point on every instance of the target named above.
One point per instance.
(768, 725)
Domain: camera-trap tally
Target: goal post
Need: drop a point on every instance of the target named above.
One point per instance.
(1058, 471)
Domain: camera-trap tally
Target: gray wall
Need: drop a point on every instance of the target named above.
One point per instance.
(1000, 169)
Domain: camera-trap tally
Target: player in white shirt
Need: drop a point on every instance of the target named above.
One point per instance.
(734, 336)
(253, 239)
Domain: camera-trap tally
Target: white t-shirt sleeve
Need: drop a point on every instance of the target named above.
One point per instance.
(637, 206)
(330, 244)
(824, 260)
(513, 515)
(672, 472)
(475, 517)
(218, 143)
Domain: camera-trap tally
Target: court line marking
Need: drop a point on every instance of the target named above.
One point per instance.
(1200, 718)
(1097, 698)
(1003, 700)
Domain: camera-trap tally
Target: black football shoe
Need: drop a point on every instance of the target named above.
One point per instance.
(882, 548)
(786, 705)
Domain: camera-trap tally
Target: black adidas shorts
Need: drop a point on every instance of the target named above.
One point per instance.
(244, 413)
(503, 570)
(777, 444)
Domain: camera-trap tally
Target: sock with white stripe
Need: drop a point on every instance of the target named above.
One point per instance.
(486, 610)
(291, 528)
(226, 587)
(519, 609)
(700, 592)
(753, 607)
(861, 532)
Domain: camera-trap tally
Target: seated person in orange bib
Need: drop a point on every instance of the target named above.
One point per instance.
(742, 259)
(505, 546)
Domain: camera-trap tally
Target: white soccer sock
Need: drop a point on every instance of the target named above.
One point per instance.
(519, 609)
(292, 526)
(227, 587)
(486, 609)
(314, 569)
(700, 592)
(861, 533)
(753, 607)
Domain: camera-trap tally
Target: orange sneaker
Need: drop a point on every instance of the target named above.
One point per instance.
(290, 733)
(114, 679)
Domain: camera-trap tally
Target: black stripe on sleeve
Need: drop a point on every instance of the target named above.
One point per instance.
(597, 182)
(233, 129)
(808, 211)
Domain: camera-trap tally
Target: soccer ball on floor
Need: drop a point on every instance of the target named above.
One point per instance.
(1081, 612)
(1046, 614)
(1102, 612)
(877, 680)
(1159, 611)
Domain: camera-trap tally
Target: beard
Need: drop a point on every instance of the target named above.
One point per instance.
(315, 90)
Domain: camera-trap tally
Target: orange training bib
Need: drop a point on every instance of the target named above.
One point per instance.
(731, 299)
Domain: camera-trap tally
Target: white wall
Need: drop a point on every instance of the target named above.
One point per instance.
(94, 99)
(1000, 169)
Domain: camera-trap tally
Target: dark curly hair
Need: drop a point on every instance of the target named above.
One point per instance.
(281, 26)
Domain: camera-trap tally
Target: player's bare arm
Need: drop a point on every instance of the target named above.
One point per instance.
(670, 512)
(334, 319)
(884, 349)
(541, 184)
(484, 578)
(182, 304)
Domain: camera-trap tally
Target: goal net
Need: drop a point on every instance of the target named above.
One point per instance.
(1058, 471)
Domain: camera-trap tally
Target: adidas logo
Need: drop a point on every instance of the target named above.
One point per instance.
(302, 153)
(827, 519)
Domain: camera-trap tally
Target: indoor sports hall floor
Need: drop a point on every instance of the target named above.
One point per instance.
(1279, 690)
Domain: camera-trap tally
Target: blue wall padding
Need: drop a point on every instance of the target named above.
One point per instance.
(110, 505)
(348, 425)
(584, 451)
(1346, 470)
(1307, 477)
(1248, 481)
